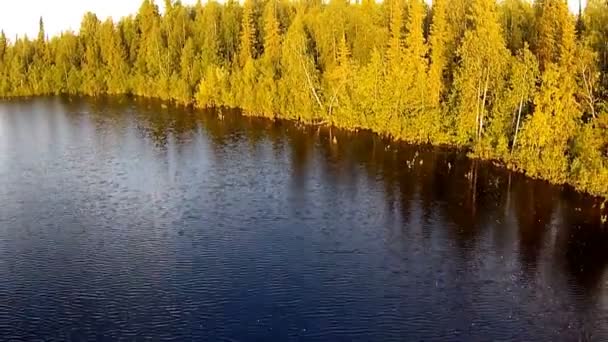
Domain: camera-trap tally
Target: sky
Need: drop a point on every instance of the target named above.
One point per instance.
(21, 16)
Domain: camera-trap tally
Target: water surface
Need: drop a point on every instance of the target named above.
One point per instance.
(122, 219)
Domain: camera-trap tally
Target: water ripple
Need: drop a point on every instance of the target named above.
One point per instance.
(141, 225)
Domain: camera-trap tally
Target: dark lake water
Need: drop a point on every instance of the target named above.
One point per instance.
(128, 220)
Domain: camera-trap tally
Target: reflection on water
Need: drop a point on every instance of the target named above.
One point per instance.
(123, 219)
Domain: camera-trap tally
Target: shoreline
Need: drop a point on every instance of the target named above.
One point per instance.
(468, 151)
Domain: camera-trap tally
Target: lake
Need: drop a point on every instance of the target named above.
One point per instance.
(125, 219)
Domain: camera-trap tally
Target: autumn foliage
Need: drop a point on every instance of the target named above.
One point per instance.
(520, 82)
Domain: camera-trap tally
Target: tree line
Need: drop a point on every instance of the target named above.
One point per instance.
(524, 83)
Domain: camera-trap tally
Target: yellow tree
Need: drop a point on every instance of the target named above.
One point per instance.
(370, 33)
(416, 65)
(596, 34)
(272, 34)
(395, 45)
(3, 45)
(589, 169)
(114, 58)
(546, 135)
(437, 40)
(269, 66)
(524, 74)
(395, 91)
(512, 104)
(480, 75)
(299, 86)
(370, 91)
(4, 86)
(340, 105)
(94, 78)
(248, 33)
(207, 32)
(553, 32)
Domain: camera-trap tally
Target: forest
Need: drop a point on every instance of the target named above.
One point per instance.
(520, 82)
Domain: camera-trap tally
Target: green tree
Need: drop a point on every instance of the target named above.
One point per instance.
(231, 24)
(518, 20)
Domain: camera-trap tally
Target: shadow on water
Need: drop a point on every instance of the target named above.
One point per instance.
(470, 195)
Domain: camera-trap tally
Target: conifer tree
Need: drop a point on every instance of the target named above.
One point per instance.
(208, 32)
(3, 45)
(269, 70)
(114, 58)
(341, 84)
(272, 34)
(395, 47)
(416, 66)
(92, 71)
(438, 39)
(4, 85)
(41, 33)
(248, 34)
(231, 24)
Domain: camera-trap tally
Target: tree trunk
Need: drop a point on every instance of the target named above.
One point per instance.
(589, 91)
(333, 99)
(477, 107)
(309, 81)
(521, 104)
(483, 104)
